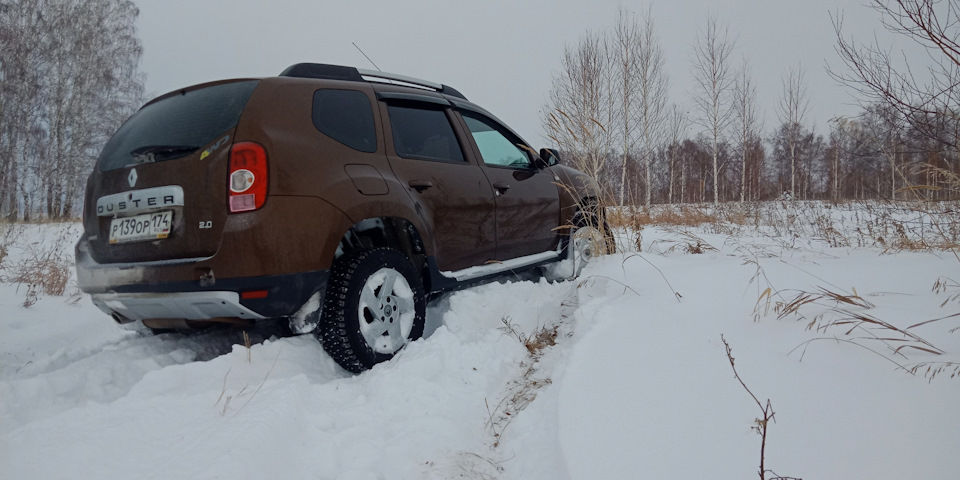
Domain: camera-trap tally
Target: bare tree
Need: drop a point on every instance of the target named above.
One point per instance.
(677, 124)
(746, 119)
(882, 131)
(94, 86)
(931, 106)
(580, 105)
(625, 42)
(713, 77)
(839, 139)
(638, 92)
(653, 97)
(68, 78)
(791, 111)
(20, 99)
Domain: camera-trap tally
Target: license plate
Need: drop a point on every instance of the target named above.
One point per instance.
(149, 226)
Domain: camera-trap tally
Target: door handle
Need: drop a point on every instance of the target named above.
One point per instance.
(501, 188)
(420, 185)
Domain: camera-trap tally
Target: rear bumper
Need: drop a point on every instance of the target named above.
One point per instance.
(128, 307)
(268, 264)
(127, 298)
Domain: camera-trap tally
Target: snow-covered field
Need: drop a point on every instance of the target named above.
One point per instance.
(622, 374)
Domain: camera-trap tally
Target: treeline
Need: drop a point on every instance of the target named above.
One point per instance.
(69, 75)
(611, 118)
(875, 155)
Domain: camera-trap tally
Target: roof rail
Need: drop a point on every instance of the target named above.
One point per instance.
(320, 70)
(337, 72)
(400, 78)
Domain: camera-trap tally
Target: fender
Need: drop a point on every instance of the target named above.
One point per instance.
(574, 187)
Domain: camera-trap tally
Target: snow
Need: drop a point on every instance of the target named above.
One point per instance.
(637, 384)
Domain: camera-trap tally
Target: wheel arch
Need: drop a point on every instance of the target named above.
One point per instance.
(577, 190)
(398, 233)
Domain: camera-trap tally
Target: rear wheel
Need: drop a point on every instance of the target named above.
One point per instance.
(374, 306)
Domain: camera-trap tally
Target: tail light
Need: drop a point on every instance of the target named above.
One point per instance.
(248, 180)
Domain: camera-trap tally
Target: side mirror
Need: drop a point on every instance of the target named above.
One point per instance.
(549, 156)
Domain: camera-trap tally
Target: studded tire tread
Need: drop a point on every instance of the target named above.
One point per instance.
(339, 329)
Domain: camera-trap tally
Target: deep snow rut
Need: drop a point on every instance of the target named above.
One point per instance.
(105, 372)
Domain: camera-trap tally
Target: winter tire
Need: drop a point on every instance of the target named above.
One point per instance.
(585, 242)
(374, 306)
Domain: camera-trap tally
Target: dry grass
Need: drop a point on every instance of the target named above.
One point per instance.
(523, 390)
(7, 236)
(245, 391)
(43, 266)
(535, 343)
(760, 425)
(676, 215)
(949, 286)
(931, 370)
(687, 242)
(845, 312)
(888, 226)
(845, 318)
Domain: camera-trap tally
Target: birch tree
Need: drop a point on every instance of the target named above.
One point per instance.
(677, 125)
(625, 43)
(882, 130)
(69, 75)
(21, 50)
(652, 98)
(580, 105)
(713, 77)
(746, 119)
(791, 111)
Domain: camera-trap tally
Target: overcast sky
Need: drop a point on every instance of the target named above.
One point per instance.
(501, 54)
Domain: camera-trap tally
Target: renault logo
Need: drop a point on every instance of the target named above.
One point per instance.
(132, 178)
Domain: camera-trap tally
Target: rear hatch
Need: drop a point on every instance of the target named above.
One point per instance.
(159, 191)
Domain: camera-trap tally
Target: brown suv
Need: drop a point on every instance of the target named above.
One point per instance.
(336, 198)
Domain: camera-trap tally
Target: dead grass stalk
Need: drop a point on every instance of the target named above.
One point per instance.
(760, 424)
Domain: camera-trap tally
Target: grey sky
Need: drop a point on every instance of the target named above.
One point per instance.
(501, 54)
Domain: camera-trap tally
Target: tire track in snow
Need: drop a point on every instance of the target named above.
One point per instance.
(104, 373)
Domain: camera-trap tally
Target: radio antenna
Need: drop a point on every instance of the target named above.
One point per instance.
(365, 56)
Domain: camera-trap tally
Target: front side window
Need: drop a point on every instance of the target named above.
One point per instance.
(423, 133)
(347, 117)
(496, 148)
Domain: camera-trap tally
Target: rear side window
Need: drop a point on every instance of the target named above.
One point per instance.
(177, 126)
(347, 117)
(423, 133)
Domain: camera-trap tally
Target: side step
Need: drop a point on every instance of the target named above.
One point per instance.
(496, 268)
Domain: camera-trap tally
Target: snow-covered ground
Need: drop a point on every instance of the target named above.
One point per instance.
(625, 376)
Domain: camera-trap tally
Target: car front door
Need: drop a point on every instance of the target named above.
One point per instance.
(527, 199)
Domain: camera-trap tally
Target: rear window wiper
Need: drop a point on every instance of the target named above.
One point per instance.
(153, 153)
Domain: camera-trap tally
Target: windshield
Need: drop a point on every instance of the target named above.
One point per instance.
(177, 126)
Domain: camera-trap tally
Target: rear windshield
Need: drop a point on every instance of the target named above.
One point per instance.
(177, 126)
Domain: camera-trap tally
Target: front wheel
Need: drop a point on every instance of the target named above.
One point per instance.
(585, 242)
(374, 306)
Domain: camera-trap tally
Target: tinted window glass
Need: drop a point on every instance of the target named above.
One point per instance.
(177, 126)
(347, 117)
(423, 133)
(495, 146)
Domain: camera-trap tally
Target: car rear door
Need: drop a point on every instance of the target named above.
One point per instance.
(449, 190)
(159, 189)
